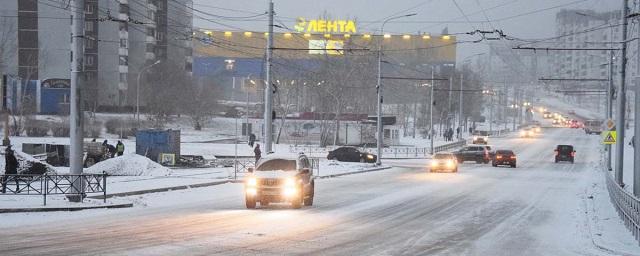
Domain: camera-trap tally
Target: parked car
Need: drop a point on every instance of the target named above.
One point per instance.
(565, 153)
(280, 180)
(479, 154)
(504, 157)
(351, 154)
(444, 162)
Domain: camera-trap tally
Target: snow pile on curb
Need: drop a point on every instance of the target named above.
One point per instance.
(129, 165)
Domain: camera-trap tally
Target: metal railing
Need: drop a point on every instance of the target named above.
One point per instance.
(627, 206)
(395, 152)
(242, 165)
(54, 184)
(460, 143)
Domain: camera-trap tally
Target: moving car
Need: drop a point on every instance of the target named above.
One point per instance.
(280, 180)
(547, 115)
(480, 139)
(479, 154)
(593, 126)
(565, 153)
(575, 124)
(536, 128)
(444, 162)
(526, 133)
(351, 154)
(504, 157)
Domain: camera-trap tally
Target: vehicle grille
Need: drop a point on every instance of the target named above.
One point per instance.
(270, 182)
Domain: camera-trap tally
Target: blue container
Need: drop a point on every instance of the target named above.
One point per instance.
(152, 143)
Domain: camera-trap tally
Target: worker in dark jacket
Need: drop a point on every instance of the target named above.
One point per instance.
(10, 169)
(257, 152)
(120, 148)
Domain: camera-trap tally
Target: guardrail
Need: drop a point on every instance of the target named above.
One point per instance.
(54, 184)
(627, 206)
(387, 152)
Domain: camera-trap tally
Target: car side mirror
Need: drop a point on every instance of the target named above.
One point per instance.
(250, 169)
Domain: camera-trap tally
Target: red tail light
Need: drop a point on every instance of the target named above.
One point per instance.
(556, 152)
(573, 154)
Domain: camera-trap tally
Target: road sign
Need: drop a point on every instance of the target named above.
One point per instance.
(609, 137)
(609, 124)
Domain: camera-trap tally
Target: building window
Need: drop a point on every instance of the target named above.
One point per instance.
(89, 60)
(160, 36)
(88, 26)
(124, 61)
(123, 43)
(89, 8)
(90, 43)
(123, 77)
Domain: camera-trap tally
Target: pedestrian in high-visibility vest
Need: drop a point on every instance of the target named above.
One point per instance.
(120, 148)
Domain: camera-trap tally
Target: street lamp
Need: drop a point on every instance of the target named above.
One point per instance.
(138, 90)
(379, 138)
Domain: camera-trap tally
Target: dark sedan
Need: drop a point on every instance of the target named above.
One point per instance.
(351, 154)
(504, 157)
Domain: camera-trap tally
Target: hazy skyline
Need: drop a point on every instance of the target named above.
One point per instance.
(517, 18)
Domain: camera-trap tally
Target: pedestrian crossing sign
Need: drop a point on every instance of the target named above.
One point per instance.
(609, 137)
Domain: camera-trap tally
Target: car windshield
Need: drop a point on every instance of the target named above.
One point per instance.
(565, 148)
(504, 152)
(277, 165)
(442, 156)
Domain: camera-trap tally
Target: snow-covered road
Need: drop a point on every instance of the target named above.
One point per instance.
(540, 208)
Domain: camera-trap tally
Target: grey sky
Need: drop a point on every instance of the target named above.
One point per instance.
(433, 15)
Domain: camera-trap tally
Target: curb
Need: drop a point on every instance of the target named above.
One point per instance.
(157, 190)
(215, 183)
(65, 209)
(351, 173)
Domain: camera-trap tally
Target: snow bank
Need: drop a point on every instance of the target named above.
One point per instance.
(129, 165)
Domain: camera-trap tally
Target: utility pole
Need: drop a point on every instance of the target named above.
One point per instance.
(268, 91)
(450, 95)
(76, 114)
(620, 120)
(609, 110)
(432, 134)
(460, 103)
(636, 130)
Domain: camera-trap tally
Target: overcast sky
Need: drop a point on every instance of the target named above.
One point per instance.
(518, 18)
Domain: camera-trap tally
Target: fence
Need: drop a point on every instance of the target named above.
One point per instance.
(46, 184)
(394, 152)
(242, 165)
(627, 206)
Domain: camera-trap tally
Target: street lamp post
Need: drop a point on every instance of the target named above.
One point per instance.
(379, 136)
(138, 90)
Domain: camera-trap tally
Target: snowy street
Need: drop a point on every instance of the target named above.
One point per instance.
(539, 208)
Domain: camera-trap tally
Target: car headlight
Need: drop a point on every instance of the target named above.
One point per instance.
(475, 138)
(450, 164)
(369, 156)
(523, 133)
(252, 182)
(290, 182)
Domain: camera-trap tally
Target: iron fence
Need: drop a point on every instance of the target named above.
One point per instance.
(627, 206)
(54, 184)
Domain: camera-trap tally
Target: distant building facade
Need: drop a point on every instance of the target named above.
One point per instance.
(122, 37)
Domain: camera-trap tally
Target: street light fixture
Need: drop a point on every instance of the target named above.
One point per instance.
(138, 90)
(379, 136)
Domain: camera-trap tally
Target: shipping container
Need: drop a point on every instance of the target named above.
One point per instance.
(152, 143)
